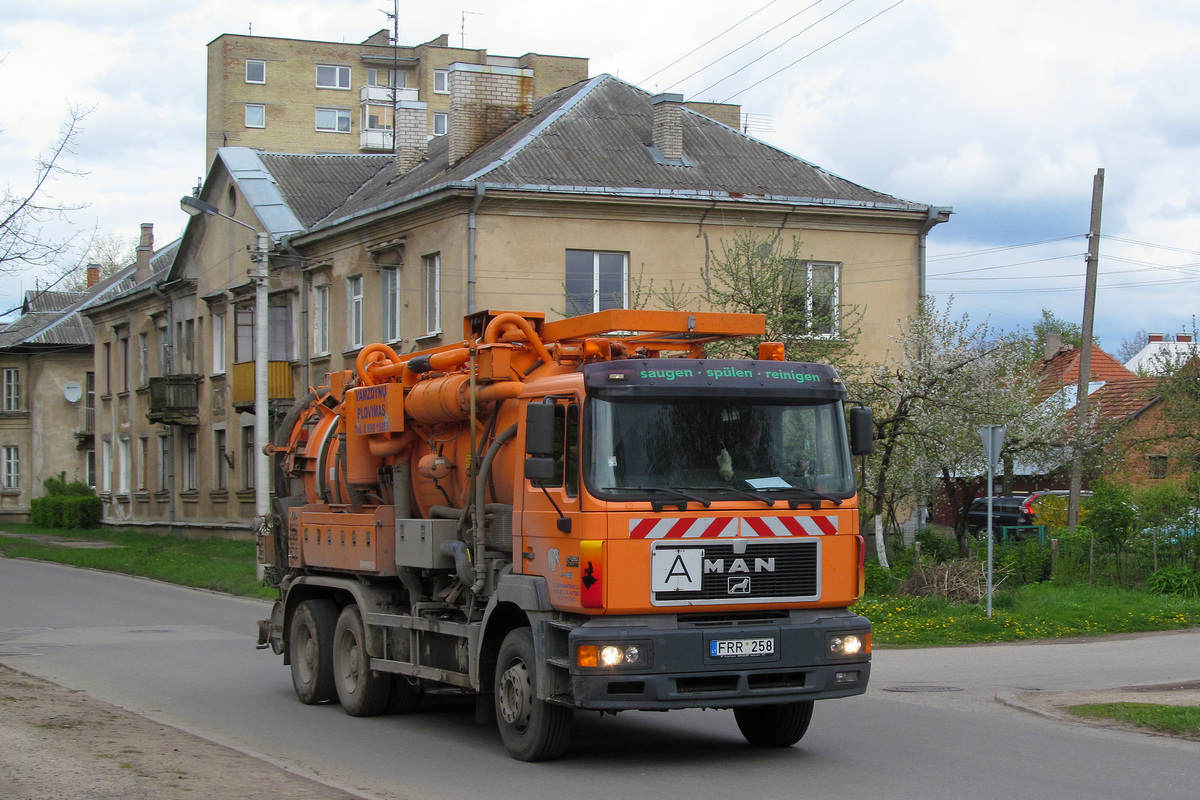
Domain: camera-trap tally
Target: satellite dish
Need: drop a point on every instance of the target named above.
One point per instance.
(72, 391)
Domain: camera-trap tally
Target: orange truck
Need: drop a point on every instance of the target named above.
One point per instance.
(586, 514)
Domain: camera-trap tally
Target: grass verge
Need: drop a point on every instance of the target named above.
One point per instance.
(223, 565)
(1175, 720)
(1035, 611)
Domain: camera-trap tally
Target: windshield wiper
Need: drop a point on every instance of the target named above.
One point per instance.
(659, 505)
(794, 502)
(731, 490)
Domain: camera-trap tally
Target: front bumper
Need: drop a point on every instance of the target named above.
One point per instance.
(678, 670)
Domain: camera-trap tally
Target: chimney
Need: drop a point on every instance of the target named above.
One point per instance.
(1183, 338)
(485, 100)
(145, 247)
(93, 275)
(1053, 345)
(1154, 337)
(668, 125)
(411, 130)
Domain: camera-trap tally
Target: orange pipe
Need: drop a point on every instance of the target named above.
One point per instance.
(511, 320)
(368, 359)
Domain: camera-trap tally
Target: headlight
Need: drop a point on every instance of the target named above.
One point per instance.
(607, 655)
(847, 644)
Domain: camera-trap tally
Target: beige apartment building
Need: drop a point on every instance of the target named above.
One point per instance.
(566, 204)
(299, 96)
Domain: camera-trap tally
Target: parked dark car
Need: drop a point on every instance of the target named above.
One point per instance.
(1011, 510)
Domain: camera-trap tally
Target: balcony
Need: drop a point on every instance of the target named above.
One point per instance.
(375, 140)
(279, 384)
(383, 94)
(175, 399)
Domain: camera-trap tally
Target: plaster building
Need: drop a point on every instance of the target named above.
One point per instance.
(571, 203)
(299, 96)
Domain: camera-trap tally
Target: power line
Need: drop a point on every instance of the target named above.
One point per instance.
(710, 41)
(813, 52)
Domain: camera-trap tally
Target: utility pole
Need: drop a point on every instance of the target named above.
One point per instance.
(1085, 358)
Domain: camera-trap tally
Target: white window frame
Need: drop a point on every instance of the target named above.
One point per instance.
(441, 123)
(803, 271)
(143, 340)
(89, 468)
(263, 65)
(389, 283)
(164, 463)
(431, 292)
(191, 446)
(256, 115)
(124, 465)
(248, 468)
(340, 115)
(321, 319)
(597, 301)
(12, 467)
(340, 77)
(220, 445)
(441, 81)
(354, 311)
(218, 343)
(106, 460)
(143, 464)
(12, 389)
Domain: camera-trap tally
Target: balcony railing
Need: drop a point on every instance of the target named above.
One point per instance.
(175, 399)
(279, 382)
(375, 140)
(383, 94)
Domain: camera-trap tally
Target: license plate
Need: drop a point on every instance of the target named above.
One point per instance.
(733, 648)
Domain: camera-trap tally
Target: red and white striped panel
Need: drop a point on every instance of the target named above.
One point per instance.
(727, 527)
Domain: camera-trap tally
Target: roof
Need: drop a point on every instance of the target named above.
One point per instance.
(594, 138)
(1157, 357)
(1063, 369)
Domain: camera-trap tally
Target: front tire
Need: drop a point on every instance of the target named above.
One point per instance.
(774, 726)
(532, 729)
(361, 691)
(310, 651)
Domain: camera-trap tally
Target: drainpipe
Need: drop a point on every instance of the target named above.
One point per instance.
(305, 282)
(480, 190)
(170, 433)
(931, 219)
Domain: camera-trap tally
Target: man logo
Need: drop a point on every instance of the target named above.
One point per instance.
(738, 586)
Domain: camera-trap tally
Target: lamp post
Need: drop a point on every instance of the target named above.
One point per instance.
(262, 490)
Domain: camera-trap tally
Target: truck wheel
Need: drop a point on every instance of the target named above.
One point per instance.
(310, 651)
(362, 691)
(774, 726)
(532, 729)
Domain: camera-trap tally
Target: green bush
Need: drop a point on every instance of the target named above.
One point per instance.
(880, 581)
(1175, 580)
(936, 546)
(1026, 562)
(66, 505)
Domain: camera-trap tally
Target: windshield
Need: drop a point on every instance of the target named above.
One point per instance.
(715, 449)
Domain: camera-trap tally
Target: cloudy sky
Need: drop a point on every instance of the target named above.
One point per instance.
(1003, 111)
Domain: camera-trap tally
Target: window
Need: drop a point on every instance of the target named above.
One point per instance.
(89, 409)
(431, 290)
(248, 466)
(1158, 467)
(389, 280)
(335, 120)
(108, 367)
(441, 124)
(331, 77)
(256, 115)
(123, 366)
(243, 340)
(143, 359)
(279, 328)
(377, 117)
(185, 337)
(12, 467)
(354, 311)
(321, 319)
(12, 390)
(256, 71)
(810, 300)
(596, 281)
(220, 462)
(396, 78)
(106, 460)
(124, 467)
(89, 468)
(189, 461)
(441, 81)
(143, 464)
(164, 463)
(218, 343)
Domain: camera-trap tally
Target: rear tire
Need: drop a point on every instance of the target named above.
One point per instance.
(310, 651)
(774, 726)
(532, 729)
(361, 691)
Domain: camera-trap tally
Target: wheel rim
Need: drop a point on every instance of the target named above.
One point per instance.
(348, 661)
(516, 694)
(307, 648)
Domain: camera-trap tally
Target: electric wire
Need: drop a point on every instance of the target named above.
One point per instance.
(710, 41)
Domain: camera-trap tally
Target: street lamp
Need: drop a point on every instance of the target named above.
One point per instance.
(194, 206)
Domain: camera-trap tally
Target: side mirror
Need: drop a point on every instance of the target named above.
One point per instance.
(539, 469)
(539, 429)
(862, 431)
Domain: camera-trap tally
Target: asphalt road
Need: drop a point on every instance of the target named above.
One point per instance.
(928, 728)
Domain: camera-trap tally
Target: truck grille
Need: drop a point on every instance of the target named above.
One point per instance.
(761, 572)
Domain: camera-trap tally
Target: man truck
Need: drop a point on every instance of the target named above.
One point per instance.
(586, 514)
